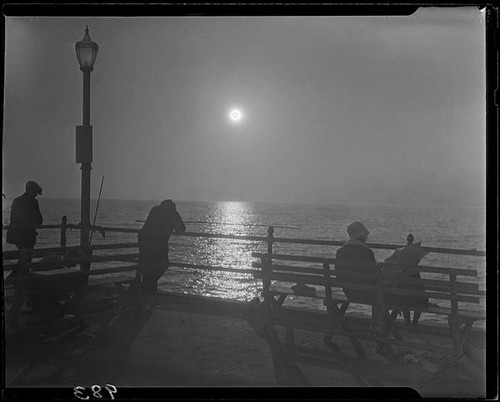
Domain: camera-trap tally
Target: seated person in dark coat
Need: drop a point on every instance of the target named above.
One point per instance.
(400, 269)
(356, 251)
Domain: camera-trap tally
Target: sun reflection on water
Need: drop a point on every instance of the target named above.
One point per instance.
(227, 218)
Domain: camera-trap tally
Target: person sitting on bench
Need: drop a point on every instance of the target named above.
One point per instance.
(401, 271)
(355, 250)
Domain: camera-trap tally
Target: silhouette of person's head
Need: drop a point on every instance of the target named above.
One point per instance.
(168, 204)
(357, 231)
(33, 189)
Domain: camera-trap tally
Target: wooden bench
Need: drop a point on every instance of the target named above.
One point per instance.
(118, 280)
(69, 284)
(328, 288)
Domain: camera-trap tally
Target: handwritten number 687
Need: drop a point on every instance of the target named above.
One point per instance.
(79, 392)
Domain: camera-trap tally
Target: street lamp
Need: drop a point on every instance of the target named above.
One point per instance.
(86, 52)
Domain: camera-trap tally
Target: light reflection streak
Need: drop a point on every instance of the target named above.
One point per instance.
(228, 253)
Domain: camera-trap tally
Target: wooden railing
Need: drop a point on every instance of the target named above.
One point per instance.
(270, 241)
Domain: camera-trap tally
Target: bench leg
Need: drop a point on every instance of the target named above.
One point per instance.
(294, 374)
(270, 300)
(277, 355)
(464, 335)
(391, 322)
(337, 313)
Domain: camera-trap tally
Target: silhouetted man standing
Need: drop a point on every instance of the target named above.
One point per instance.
(25, 216)
(153, 239)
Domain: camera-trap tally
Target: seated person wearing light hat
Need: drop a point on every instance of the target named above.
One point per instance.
(356, 251)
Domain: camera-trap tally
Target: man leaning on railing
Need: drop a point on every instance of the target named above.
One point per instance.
(153, 239)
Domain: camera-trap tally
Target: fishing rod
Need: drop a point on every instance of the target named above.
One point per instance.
(96, 209)
(231, 224)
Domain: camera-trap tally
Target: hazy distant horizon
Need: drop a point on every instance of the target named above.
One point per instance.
(343, 203)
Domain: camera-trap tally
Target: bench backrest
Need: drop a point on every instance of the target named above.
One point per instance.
(321, 272)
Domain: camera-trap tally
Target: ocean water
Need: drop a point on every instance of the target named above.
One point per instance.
(442, 226)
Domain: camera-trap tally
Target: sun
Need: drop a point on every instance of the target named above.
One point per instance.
(235, 115)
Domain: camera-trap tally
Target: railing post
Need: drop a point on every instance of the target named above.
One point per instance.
(454, 314)
(266, 266)
(270, 237)
(21, 270)
(266, 279)
(328, 286)
(64, 224)
(380, 309)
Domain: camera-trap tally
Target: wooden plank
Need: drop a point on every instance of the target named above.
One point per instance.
(432, 295)
(110, 280)
(319, 272)
(291, 268)
(437, 284)
(294, 278)
(39, 266)
(287, 257)
(43, 252)
(319, 294)
(91, 282)
(125, 268)
(476, 315)
(117, 257)
(212, 268)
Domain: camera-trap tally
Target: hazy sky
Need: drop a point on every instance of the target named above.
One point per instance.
(356, 109)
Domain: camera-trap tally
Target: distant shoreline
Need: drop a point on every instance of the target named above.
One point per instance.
(7, 200)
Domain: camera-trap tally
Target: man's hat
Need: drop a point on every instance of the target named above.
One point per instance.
(33, 187)
(357, 230)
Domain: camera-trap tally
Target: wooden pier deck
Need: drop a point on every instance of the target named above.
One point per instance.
(190, 341)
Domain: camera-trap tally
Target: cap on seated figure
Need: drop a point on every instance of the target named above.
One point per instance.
(357, 230)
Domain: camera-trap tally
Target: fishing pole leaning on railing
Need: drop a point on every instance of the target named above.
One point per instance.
(95, 215)
(231, 224)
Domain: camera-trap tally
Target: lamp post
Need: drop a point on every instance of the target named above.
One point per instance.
(86, 52)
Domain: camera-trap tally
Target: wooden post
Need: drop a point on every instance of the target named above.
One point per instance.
(270, 237)
(379, 311)
(266, 266)
(328, 296)
(21, 270)
(86, 256)
(290, 340)
(328, 286)
(64, 223)
(454, 314)
(277, 355)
